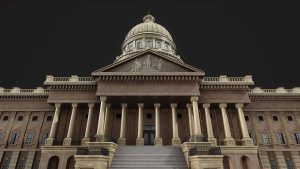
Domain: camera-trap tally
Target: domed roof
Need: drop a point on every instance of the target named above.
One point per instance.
(148, 26)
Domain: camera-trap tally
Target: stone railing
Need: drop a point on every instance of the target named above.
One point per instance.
(17, 90)
(224, 78)
(279, 90)
(68, 80)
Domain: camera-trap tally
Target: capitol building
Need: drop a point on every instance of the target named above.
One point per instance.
(149, 109)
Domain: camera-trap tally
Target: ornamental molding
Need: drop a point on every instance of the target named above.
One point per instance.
(280, 93)
(17, 93)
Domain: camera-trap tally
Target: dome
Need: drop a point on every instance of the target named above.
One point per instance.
(148, 35)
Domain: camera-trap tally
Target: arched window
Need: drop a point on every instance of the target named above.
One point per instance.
(53, 162)
(245, 162)
(226, 164)
(71, 163)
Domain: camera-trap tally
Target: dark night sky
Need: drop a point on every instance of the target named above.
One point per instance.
(63, 38)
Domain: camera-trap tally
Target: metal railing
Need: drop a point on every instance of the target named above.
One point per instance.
(92, 150)
(204, 150)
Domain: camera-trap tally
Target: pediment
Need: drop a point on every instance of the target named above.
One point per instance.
(148, 62)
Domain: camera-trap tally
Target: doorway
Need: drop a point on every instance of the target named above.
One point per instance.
(149, 134)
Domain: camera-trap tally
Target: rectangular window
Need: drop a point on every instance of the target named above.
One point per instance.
(289, 164)
(1, 136)
(21, 164)
(275, 118)
(43, 138)
(290, 118)
(49, 118)
(272, 164)
(247, 118)
(265, 138)
(36, 164)
(34, 118)
(5, 118)
(261, 118)
(179, 115)
(29, 138)
(280, 138)
(20, 118)
(296, 138)
(14, 138)
(5, 164)
(149, 116)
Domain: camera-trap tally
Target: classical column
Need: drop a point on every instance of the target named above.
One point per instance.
(246, 139)
(210, 133)
(191, 121)
(106, 121)
(87, 133)
(197, 125)
(140, 138)
(122, 139)
(50, 139)
(158, 139)
(228, 141)
(175, 140)
(68, 139)
(100, 129)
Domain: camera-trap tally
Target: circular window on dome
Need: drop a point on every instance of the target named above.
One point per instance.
(139, 44)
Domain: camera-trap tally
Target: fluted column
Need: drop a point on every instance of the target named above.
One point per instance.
(210, 133)
(140, 138)
(197, 125)
(100, 130)
(175, 140)
(50, 139)
(87, 133)
(191, 121)
(158, 139)
(246, 139)
(228, 140)
(68, 139)
(106, 121)
(122, 139)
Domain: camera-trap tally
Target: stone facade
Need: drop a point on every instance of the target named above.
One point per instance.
(149, 96)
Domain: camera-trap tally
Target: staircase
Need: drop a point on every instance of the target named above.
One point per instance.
(146, 157)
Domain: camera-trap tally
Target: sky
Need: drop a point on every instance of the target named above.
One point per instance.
(64, 38)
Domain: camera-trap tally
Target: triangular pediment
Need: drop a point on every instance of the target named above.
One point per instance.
(148, 62)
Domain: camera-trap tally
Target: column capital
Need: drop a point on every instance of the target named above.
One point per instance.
(194, 98)
(140, 104)
(57, 105)
(239, 105)
(189, 105)
(74, 105)
(173, 105)
(108, 105)
(222, 105)
(103, 98)
(91, 105)
(206, 105)
(157, 105)
(124, 105)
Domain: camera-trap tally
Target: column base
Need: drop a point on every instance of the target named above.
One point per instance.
(122, 141)
(247, 142)
(229, 141)
(140, 141)
(49, 141)
(158, 141)
(67, 141)
(212, 140)
(84, 140)
(176, 141)
(101, 138)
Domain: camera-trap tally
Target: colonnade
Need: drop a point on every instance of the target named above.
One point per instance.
(193, 118)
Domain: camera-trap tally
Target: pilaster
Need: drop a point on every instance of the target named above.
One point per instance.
(295, 155)
(14, 159)
(280, 160)
(264, 160)
(29, 161)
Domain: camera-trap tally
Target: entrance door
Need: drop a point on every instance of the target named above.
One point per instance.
(149, 134)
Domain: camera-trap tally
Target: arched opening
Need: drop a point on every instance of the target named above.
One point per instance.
(245, 162)
(226, 162)
(53, 162)
(71, 163)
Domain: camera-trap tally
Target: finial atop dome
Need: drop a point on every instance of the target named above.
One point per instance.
(148, 18)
